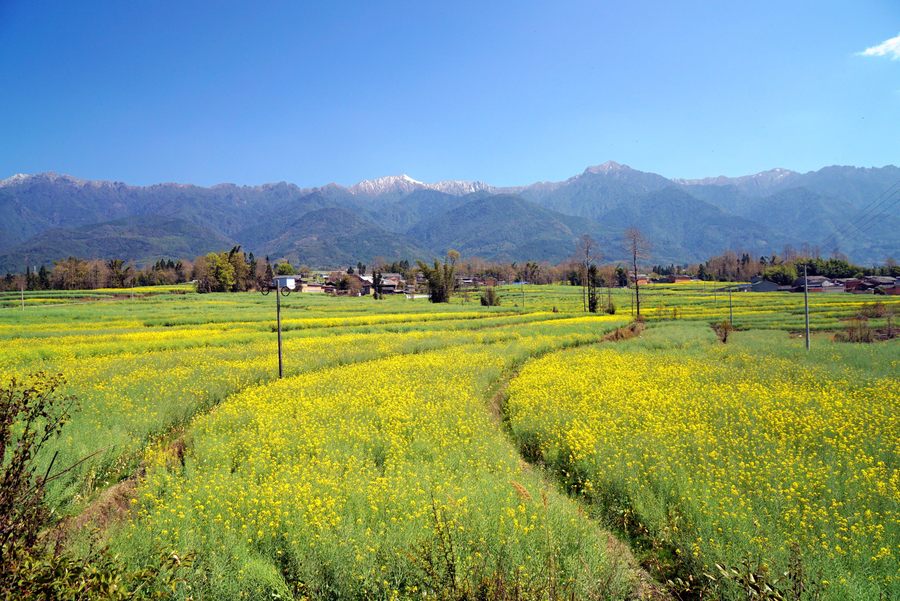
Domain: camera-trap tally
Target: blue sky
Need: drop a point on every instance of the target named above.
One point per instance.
(504, 92)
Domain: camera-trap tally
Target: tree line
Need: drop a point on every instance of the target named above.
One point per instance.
(227, 271)
(235, 270)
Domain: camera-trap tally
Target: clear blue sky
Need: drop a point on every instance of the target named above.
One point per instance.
(505, 92)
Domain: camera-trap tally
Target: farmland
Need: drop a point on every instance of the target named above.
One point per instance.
(415, 450)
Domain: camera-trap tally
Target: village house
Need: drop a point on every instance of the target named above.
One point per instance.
(760, 284)
(392, 283)
(678, 278)
(347, 284)
(850, 284)
(642, 279)
(818, 284)
(869, 284)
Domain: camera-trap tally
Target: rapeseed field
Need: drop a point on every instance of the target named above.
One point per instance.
(390, 462)
(746, 454)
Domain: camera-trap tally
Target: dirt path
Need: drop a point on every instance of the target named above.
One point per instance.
(646, 588)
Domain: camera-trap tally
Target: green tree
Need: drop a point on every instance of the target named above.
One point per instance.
(216, 275)
(490, 298)
(593, 297)
(377, 284)
(441, 277)
(284, 268)
(242, 277)
(783, 274)
(119, 273)
(43, 279)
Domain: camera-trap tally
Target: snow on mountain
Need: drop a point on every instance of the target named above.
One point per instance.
(460, 187)
(18, 178)
(771, 176)
(404, 184)
(383, 185)
(608, 167)
(55, 178)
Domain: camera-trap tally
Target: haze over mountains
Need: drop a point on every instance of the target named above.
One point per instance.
(46, 217)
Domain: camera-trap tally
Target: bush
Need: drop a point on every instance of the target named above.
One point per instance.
(858, 331)
(723, 329)
(876, 309)
(32, 413)
(32, 562)
(490, 298)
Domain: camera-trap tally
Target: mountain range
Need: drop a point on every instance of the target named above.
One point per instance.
(851, 210)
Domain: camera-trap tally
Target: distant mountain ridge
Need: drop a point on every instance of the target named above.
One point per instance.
(46, 217)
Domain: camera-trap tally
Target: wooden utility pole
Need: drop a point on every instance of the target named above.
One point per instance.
(806, 303)
(730, 309)
(22, 290)
(278, 318)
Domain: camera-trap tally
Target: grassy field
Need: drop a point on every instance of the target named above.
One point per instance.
(388, 462)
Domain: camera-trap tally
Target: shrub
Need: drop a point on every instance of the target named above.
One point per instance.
(876, 309)
(723, 329)
(32, 562)
(490, 298)
(32, 413)
(858, 331)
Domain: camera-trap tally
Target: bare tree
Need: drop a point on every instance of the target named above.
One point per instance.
(638, 247)
(585, 255)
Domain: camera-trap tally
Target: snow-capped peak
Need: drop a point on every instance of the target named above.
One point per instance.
(405, 184)
(55, 178)
(459, 187)
(15, 179)
(607, 167)
(771, 176)
(49, 176)
(389, 183)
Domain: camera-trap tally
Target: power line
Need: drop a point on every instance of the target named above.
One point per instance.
(867, 223)
(866, 216)
(867, 211)
(862, 219)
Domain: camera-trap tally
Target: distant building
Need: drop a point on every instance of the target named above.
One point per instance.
(347, 284)
(763, 285)
(817, 284)
(678, 278)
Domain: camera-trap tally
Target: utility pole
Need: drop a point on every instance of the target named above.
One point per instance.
(523, 294)
(730, 309)
(22, 290)
(278, 318)
(806, 304)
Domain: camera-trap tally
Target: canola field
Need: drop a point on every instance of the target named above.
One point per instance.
(724, 454)
(457, 451)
